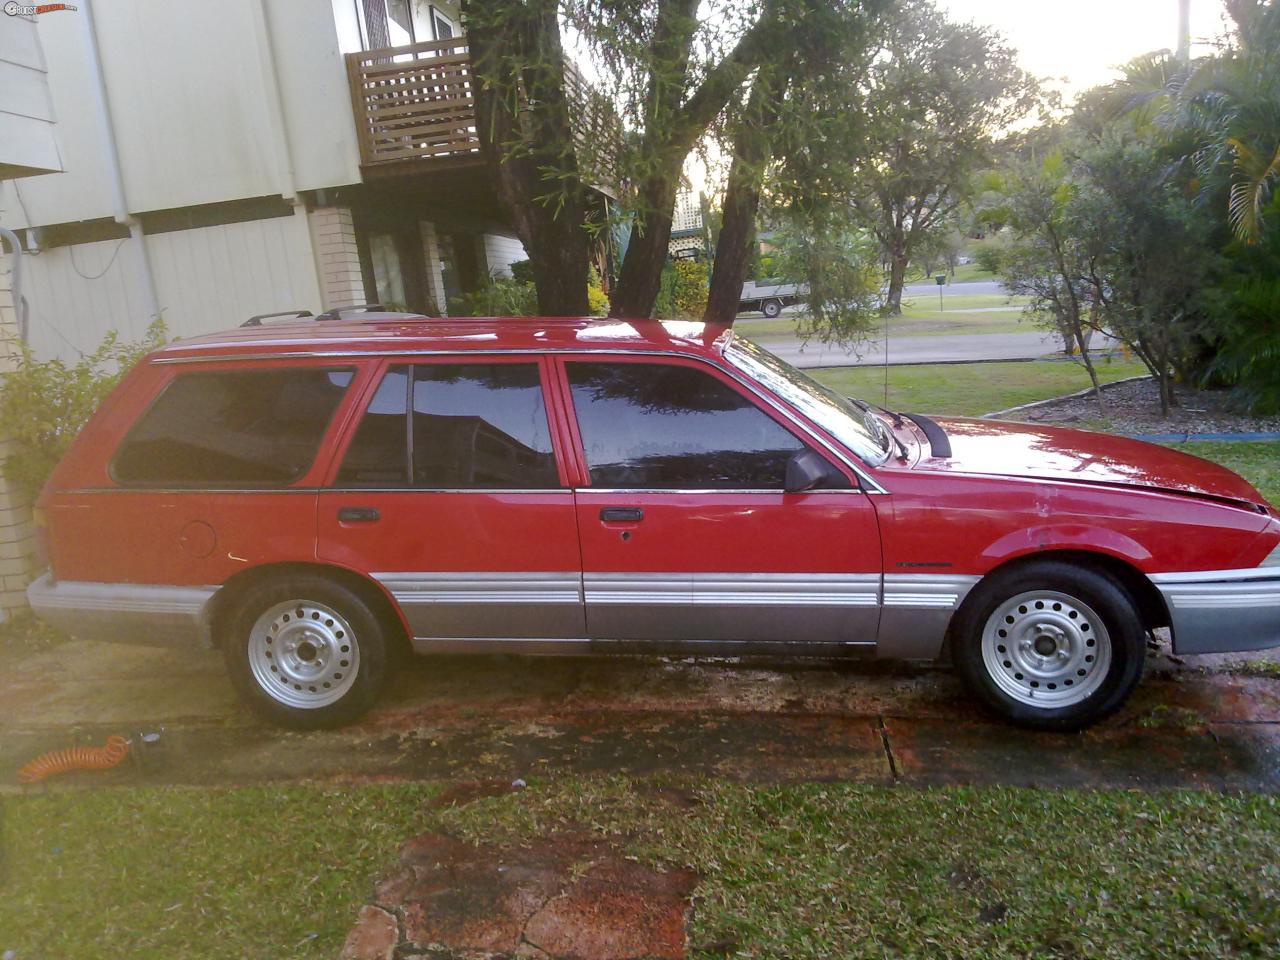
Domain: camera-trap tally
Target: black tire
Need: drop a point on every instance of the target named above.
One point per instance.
(771, 309)
(337, 666)
(1017, 606)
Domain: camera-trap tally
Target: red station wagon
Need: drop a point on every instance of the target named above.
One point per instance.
(313, 497)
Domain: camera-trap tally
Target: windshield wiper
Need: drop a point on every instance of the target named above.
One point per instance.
(897, 417)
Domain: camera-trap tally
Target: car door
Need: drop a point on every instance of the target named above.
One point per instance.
(449, 492)
(687, 532)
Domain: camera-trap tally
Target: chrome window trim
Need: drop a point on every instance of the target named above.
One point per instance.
(690, 491)
(870, 485)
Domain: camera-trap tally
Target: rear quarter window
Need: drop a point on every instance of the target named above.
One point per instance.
(232, 428)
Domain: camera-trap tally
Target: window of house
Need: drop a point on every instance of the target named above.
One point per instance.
(474, 426)
(399, 22)
(232, 429)
(650, 425)
(444, 28)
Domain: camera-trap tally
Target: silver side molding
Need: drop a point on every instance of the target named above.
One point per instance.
(1222, 611)
(415, 588)
(123, 612)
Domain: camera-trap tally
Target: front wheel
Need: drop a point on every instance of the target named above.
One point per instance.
(306, 652)
(1050, 645)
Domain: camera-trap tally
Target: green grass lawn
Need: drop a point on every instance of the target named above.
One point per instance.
(809, 871)
(969, 389)
(1259, 462)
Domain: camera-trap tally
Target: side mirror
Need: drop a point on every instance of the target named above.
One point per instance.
(808, 470)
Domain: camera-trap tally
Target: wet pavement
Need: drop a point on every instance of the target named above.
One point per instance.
(500, 718)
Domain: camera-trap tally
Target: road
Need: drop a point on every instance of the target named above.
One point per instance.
(977, 288)
(958, 347)
(943, 348)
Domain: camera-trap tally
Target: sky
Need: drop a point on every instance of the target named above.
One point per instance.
(1084, 40)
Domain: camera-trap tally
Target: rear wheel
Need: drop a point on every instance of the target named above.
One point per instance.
(306, 652)
(771, 308)
(1050, 645)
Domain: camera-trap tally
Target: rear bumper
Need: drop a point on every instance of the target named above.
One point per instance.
(124, 612)
(1223, 611)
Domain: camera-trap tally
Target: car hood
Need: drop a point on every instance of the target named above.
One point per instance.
(1004, 448)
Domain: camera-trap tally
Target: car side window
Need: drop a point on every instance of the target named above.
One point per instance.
(672, 426)
(231, 429)
(474, 425)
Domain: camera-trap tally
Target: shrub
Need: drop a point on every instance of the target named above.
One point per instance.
(500, 297)
(683, 294)
(989, 256)
(43, 405)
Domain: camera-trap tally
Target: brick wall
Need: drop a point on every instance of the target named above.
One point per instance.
(17, 536)
(337, 258)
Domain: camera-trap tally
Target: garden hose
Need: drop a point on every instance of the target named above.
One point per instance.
(75, 758)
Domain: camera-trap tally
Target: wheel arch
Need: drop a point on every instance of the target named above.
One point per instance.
(384, 607)
(1152, 609)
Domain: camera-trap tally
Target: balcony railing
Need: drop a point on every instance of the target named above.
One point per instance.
(416, 102)
(413, 101)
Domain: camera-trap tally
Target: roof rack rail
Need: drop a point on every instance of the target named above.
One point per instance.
(337, 313)
(256, 321)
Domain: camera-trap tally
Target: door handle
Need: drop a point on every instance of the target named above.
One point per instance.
(621, 514)
(358, 515)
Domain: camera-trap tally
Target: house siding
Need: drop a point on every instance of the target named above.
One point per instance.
(27, 141)
(206, 279)
(500, 252)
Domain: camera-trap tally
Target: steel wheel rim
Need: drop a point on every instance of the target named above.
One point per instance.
(303, 654)
(1046, 649)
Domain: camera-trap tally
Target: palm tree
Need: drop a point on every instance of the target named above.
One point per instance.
(1220, 114)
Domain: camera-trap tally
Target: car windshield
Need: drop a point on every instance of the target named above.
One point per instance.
(851, 422)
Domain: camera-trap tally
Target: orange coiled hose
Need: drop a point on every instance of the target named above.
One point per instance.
(75, 758)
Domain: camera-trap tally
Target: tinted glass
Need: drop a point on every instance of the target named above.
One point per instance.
(668, 426)
(379, 452)
(232, 429)
(474, 426)
(481, 425)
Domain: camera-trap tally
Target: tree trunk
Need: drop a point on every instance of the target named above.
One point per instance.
(672, 127)
(897, 279)
(741, 202)
(640, 278)
(1082, 342)
(524, 123)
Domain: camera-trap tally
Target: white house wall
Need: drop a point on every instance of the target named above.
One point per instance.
(70, 314)
(83, 192)
(27, 140)
(188, 86)
(207, 279)
(317, 99)
(500, 252)
(215, 278)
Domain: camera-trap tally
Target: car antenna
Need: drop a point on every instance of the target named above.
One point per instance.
(886, 358)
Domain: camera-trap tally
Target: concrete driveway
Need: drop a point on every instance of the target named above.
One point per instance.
(478, 718)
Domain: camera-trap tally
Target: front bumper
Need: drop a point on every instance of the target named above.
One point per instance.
(124, 612)
(1223, 611)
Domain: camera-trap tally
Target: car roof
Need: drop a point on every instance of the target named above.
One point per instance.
(411, 333)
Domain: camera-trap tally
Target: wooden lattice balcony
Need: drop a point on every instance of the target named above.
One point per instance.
(416, 103)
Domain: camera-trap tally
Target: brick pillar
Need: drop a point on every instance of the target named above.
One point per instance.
(435, 268)
(337, 259)
(17, 536)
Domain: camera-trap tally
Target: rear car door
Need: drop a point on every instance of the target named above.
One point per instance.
(449, 492)
(687, 532)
